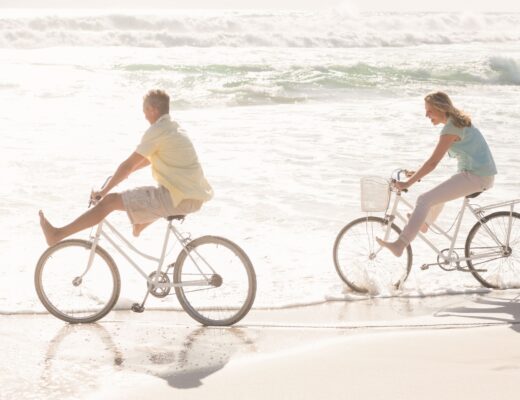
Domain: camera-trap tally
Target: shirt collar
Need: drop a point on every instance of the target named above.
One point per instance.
(163, 117)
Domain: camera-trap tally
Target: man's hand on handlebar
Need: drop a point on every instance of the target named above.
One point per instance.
(95, 195)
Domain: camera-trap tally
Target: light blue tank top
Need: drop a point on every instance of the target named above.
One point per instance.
(472, 151)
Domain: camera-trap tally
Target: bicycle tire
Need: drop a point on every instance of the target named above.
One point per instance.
(502, 274)
(206, 311)
(359, 284)
(59, 304)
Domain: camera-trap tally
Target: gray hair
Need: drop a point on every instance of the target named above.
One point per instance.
(159, 100)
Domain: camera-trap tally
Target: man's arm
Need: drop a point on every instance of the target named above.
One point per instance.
(144, 163)
(133, 163)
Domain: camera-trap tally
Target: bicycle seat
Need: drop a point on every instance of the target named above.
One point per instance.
(176, 217)
(473, 195)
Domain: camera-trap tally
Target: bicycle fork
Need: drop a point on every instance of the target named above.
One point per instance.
(78, 280)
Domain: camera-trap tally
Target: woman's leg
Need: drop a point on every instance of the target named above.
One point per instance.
(434, 213)
(92, 217)
(432, 216)
(457, 186)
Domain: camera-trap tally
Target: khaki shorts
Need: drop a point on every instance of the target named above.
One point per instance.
(149, 203)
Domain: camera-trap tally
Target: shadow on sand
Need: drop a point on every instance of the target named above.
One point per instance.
(489, 308)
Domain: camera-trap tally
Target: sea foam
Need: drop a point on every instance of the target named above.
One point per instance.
(330, 29)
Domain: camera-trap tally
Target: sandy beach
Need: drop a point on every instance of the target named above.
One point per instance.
(287, 111)
(460, 346)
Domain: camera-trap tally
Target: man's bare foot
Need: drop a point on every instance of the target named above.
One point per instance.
(395, 247)
(424, 227)
(51, 233)
(138, 228)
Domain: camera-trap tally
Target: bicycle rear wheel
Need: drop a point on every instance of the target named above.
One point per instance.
(495, 263)
(217, 282)
(362, 264)
(69, 290)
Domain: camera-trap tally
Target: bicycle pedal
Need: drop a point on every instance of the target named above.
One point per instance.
(138, 308)
(424, 267)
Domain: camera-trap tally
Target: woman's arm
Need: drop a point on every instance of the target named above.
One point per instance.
(444, 143)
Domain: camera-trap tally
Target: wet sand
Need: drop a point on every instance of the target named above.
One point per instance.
(460, 346)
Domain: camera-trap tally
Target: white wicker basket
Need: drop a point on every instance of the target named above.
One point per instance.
(375, 194)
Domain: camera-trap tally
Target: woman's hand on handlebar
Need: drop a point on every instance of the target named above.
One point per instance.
(401, 186)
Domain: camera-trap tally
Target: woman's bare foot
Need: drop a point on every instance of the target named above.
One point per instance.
(51, 233)
(424, 227)
(138, 228)
(396, 247)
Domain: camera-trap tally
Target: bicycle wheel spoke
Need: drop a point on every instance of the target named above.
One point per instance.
(226, 269)
(496, 272)
(360, 261)
(71, 290)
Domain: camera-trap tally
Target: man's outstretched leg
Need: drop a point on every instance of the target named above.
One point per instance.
(90, 218)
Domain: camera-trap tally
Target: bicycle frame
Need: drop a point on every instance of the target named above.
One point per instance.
(477, 213)
(152, 282)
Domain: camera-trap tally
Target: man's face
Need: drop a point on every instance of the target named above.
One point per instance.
(150, 113)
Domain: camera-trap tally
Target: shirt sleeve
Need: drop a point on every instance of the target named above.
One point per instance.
(451, 129)
(149, 143)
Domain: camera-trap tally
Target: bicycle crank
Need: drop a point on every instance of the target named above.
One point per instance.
(445, 262)
(162, 291)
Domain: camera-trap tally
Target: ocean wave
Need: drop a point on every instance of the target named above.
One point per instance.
(234, 29)
(501, 70)
(507, 70)
(249, 84)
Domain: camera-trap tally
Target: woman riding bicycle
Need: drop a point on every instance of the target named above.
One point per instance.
(475, 172)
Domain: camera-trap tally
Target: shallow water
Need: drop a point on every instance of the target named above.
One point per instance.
(286, 110)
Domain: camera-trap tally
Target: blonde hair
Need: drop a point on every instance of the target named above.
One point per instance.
(442, 102)
(158, 99)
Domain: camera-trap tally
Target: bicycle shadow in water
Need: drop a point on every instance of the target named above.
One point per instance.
(88, 353)
(488, 309)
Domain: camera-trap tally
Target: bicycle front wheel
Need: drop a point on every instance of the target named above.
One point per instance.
(215, 281)
(72, 290)
(362, 264)
(493, 250)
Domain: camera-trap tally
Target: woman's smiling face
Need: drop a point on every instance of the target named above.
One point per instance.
(436, 116)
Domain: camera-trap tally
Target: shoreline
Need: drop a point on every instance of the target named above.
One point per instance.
(431, 348)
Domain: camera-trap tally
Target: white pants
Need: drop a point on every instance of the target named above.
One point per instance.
(430, 204)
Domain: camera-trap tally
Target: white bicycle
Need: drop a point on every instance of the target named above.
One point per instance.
(491, 251)
(214, 280)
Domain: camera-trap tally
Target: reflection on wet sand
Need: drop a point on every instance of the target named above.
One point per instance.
(79, 356)
(44, 359)
(76, 357)
(205, 351)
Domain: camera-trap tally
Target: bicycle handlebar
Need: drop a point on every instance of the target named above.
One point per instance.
(397, 175)
(90, 202)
